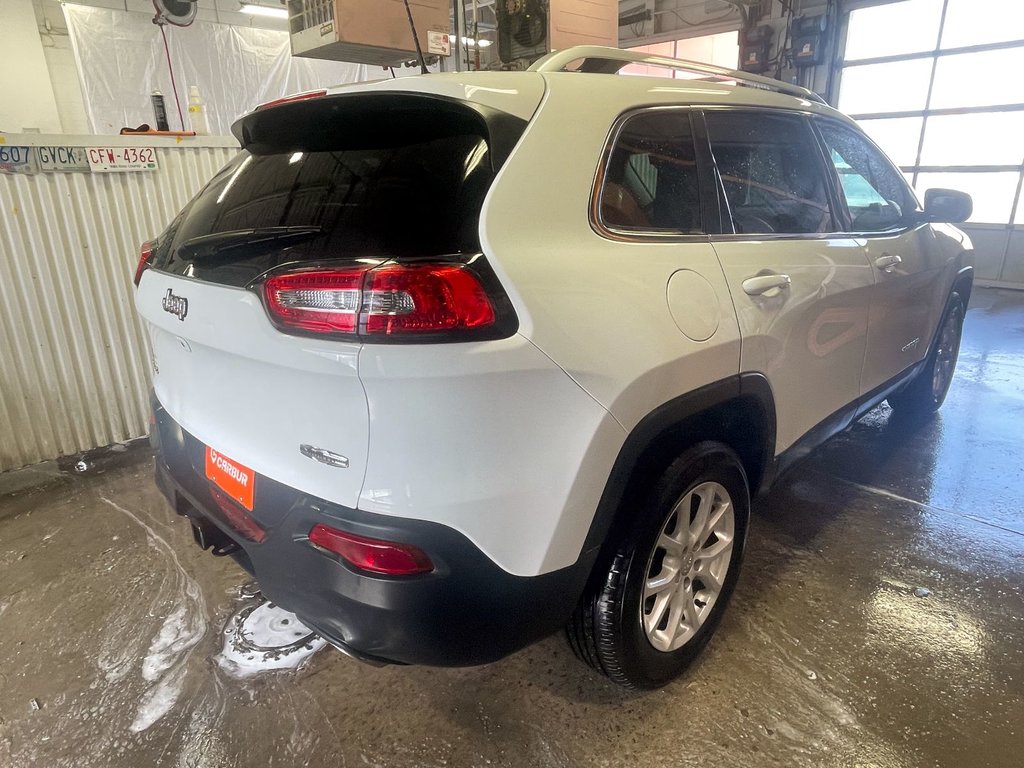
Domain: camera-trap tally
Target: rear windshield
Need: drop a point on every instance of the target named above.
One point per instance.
(406, 190)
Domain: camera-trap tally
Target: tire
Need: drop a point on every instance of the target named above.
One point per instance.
(927, 390)
(623, 627)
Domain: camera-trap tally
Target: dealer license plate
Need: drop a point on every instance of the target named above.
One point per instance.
(236, 480)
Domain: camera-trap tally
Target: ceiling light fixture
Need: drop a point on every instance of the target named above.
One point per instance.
(482, 42)
(254, 9)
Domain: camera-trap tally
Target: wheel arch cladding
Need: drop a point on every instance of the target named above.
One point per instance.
(963, 283)
(738, 411)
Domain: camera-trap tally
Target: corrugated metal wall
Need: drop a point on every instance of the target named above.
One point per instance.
(74, 365)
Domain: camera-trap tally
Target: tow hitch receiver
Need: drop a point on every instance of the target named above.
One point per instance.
(209, 536)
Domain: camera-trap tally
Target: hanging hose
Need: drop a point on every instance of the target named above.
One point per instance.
(174, 85)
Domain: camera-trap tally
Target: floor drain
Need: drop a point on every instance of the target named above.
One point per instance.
(264, 638)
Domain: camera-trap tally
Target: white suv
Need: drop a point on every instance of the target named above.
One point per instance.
(451, 362)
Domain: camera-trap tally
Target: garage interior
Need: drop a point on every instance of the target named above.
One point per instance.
(879, 616)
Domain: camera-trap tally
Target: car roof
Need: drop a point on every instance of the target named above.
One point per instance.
(520, 93)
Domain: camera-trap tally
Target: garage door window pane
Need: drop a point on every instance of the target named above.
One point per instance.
(898, 137)
(886, 30)
(992, 192)
(897, 87)
(975, 22)
(979, 79)
(979, 139)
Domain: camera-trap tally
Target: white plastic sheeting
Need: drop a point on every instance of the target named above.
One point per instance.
(121, 61)
(74, 368)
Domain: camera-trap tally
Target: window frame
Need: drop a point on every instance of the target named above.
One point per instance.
(705, 184)
(726, 231)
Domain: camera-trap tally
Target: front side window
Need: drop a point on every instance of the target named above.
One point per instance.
(771, 172)
(650, 182)
(875, 191)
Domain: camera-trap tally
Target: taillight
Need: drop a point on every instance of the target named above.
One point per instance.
(293, 97)
(384, 301)
(422, 298)
(325, 301)
(146, 253)
(373, 555)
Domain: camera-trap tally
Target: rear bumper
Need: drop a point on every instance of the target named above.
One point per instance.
(467, 611)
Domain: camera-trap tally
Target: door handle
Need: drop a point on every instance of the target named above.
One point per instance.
(887, 263)
(755, 286)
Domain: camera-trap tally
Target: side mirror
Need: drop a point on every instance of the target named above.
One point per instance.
(947, 206)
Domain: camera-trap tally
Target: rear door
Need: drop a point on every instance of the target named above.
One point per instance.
(801, 290)
(908, 274)
(354, 180)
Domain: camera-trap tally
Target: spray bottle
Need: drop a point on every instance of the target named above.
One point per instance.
(160, 111)
(197, 112)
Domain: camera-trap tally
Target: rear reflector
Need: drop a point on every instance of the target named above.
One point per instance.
(373, 555)
(145, 254)
(290, 99)
(388, 300)
(238, 518)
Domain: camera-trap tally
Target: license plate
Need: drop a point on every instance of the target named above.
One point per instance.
(16, 159)
(236, 480)
(110, 159)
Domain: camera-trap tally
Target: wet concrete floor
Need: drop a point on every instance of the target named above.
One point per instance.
(110, 620)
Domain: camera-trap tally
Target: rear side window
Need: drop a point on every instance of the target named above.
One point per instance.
(875, 192)
(413, 188)
(771, 171)
(650, 181)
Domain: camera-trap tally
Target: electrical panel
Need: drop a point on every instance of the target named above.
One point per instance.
(754, 48)
(368, 31)
(808, 33)
(529, 29)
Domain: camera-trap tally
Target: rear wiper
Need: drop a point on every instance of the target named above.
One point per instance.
(257, 239)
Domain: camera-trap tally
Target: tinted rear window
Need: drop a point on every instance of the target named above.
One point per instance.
(394, 193)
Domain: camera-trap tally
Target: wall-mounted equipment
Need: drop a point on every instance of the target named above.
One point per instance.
(180, 13)
(368, 31)
(808, 33)
(754, 48)
(529, 29)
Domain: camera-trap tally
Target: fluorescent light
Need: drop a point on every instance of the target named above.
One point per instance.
(264, 10)
(482, 42)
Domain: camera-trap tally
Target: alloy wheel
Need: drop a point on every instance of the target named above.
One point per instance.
(687, 567)
(946, 354)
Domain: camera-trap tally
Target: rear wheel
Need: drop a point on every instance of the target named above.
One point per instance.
(927, 390)
(667, 583)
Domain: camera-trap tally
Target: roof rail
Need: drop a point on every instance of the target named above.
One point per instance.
(600, 59)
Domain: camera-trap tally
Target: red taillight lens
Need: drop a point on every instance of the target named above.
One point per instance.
(389, 300)
(145, 254)
(325, 301)
(373, 555)
(290, 99)
(425, 298)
